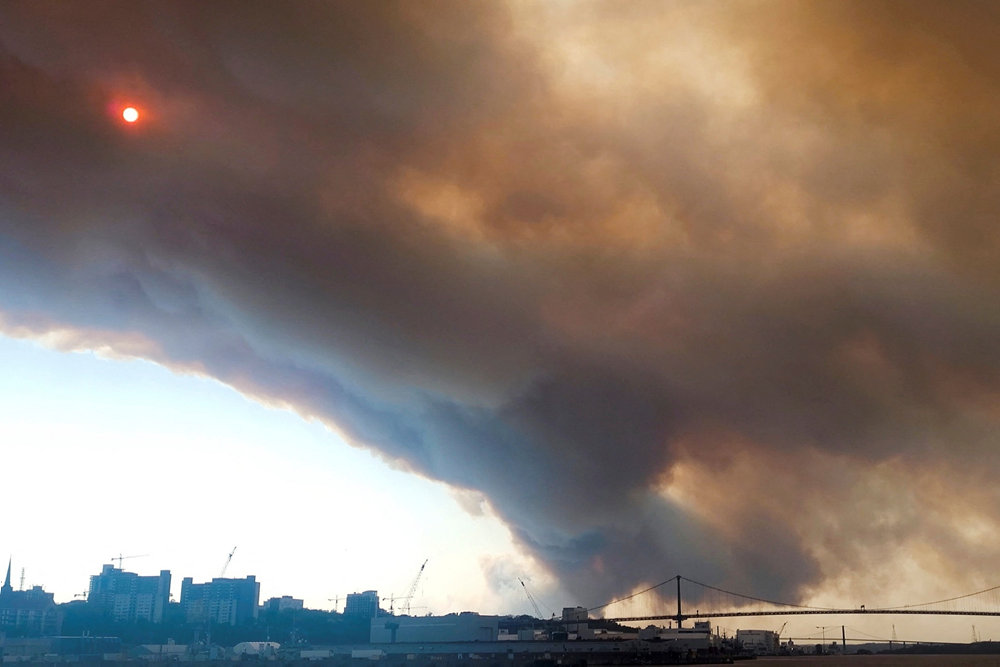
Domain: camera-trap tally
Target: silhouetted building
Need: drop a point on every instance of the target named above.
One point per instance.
(126, 597)
(283, 603)
(44, 650)
(464, 627)
(222, 601)
(364, 605)
(761, 642)
(697, 638)
(27, 613)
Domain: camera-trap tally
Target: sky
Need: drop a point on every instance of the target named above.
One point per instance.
(588, 294)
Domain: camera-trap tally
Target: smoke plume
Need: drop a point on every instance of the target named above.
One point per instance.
(700, 288)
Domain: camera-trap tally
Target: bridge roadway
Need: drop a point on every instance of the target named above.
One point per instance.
(798, 612)
(790, 610)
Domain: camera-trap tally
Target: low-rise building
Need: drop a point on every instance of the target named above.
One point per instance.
(761, 642)
(29, 613)
(464, 627)
(699, 637)
(40, 650)
(256, 649)
(160, 652)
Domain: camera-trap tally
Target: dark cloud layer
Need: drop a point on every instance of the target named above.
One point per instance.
(637, 276)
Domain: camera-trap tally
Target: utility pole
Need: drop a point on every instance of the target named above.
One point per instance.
(843, 640)
(823, 628)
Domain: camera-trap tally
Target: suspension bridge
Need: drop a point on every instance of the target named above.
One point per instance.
(725, 604)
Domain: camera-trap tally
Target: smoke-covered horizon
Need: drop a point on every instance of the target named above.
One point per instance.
(700, 288)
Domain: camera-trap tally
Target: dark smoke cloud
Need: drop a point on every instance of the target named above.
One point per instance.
(664, 284)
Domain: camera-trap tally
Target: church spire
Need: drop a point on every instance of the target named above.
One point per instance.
(7, 588)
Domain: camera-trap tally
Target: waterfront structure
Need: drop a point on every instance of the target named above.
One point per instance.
(363, 605)
(223, 601)
(285, 602)
(696, 638)
(465, 627)
(515, 653)
(49, 649)
(574, 614)
(27, 613)
(761, 642)
(266, 650)
(127, 597)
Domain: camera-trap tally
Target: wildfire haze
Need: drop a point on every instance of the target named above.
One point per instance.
(706, 288)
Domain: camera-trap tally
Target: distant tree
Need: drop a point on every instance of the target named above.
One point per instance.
(300, 626)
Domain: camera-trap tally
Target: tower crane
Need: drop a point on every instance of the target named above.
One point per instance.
(413, 588)
(534, 605)
(121, 558)
(226, 566)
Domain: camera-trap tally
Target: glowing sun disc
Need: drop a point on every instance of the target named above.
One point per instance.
(130, 114)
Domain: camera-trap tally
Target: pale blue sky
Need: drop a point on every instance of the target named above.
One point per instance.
(105, 457)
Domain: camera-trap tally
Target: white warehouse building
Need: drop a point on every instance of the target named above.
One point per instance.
(464, 627)
(761, 642)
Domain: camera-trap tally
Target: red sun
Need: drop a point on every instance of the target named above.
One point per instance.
(130, 114)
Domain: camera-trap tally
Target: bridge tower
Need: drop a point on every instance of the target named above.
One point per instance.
(680, 615)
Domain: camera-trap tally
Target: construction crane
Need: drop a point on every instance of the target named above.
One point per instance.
(413, 588)
(226, 566)
(120, 558)
(392, 602)
(538, 612)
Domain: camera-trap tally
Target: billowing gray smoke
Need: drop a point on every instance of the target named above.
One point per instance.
(684, 288)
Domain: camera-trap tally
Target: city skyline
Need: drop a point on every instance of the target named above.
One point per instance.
(209, 422)
(128, 597)
(580, 294)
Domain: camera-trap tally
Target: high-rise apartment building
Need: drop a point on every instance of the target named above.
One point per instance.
(127, 597)
(222, 601)
(284, 603)
(362, 604)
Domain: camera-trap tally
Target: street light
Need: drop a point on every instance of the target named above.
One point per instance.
(823, 628)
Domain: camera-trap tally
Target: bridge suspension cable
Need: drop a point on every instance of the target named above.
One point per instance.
(633, 595)
(985, 603)
(957, 597)
(755, 599)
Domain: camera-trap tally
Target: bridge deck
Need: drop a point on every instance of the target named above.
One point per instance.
(801, 612)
